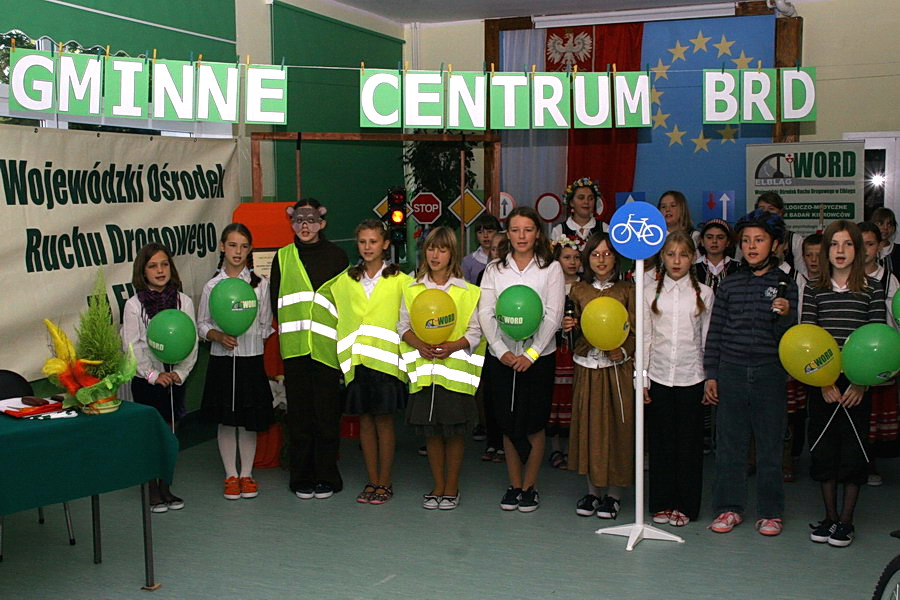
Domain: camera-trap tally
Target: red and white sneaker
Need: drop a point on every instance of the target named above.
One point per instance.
(725, 522)
(678, 519)
(769, 526)
(232, 489)
(249, 488)
(662, 516)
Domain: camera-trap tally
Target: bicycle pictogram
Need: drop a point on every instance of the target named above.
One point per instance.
(648, 233)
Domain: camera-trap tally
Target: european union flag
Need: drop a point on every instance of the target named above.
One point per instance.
(679, 152)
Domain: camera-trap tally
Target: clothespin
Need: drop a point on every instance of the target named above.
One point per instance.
(237, 60)
(192, 58)
(248, 61)
(798, 64)
(107, 52)
(525, 70)
(146, 56)
(532, 70)
(492, 69)
(575, 70)
(154, 57)
(758, 66)
(723, 67)
(449, 70)
(60, 47)
(12, 44)
(362, 67)
(484, 67)
(199, 60)
(405, 67)
(614, 70)
(282, 63)
(647, 66)
(99, 53)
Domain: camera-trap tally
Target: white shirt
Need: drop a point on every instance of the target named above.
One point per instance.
(550, 285)
(134, 333)
(473, 329)
(581, 230)
(714, 269)
(369, 283)
(891, 291)
(674, 338)
(252, 341)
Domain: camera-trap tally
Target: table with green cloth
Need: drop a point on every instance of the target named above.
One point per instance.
(55, 460)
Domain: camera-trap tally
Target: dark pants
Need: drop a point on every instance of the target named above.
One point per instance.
(752, 401)
(313, 422)
(675, 443)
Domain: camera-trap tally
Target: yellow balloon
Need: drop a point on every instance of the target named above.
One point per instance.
(810, 355)
(433, 316)
(604, 323)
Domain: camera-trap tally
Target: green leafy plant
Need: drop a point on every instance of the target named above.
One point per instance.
(98, 337)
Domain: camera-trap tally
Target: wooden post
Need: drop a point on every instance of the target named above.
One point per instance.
(462, 200)
(256, 171)
(788, 53)
(297, 167)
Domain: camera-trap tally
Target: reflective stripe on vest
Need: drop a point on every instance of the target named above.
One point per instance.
(459, 372)
(295, 296)
(366, 326)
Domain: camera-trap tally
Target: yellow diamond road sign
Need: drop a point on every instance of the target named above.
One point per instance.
(467, 207)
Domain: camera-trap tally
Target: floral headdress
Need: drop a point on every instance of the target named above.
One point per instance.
(564, 241)
(582, 182)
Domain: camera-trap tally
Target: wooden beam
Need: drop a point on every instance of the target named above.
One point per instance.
(492, 29)
(788, 53)
(752, 9)
(256, 170)
(371, 137)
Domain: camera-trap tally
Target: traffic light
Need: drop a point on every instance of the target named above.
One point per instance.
(395, 219)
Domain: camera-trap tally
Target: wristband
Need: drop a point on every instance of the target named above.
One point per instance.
(532, 353)
(151, 377)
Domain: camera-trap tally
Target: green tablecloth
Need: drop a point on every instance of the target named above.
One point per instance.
(51, 461)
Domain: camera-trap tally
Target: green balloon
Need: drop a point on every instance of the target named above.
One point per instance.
(871, 355)
(519, 311)
(171, 335)
(233, 305)
(895, 308)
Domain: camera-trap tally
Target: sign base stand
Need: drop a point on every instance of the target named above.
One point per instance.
(639, 531)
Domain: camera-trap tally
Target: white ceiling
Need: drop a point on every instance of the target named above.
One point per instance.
(440, 11)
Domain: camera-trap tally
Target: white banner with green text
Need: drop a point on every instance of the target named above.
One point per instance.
(75, 201)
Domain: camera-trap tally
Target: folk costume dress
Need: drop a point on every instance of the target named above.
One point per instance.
(601, 443)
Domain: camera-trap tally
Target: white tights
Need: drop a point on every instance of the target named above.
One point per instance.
(234, 442)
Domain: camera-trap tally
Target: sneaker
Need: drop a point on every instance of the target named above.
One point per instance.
(500, 455)
(725, 522)
(662, 516)
(821, 532)
(422, 451)
(174, 503)
(529, 501)
(305, 493)
(489, 453)
(232, 489)
(609, 508)
(842, 536)
(159, 508)
(875, 479)
(769, 526)
(431, 502)
(249, 487)
(449, 502)
(479, 434)
(511, 498)
(587, 506)
(678, 519)
(322, 491)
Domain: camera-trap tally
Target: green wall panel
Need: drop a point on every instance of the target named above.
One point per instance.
(348, 177)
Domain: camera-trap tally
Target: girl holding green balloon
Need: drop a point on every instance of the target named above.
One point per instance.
(521, 307)
(157, 289)
(235, 316)
(842, 300)
(443, 353)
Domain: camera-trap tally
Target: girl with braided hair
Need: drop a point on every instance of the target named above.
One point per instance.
(679, 308)
(246, 408)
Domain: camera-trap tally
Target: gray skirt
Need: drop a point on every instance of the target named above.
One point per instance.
(453, 413)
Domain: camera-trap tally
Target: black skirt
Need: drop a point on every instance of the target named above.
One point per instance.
(533, 391)
(252, 394)
(374, 393)
(452, 413)
(159, 398)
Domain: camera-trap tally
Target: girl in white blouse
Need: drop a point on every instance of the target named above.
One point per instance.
(519, 374)
(679, 308)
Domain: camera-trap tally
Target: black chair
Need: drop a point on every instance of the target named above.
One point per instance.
(13, 385)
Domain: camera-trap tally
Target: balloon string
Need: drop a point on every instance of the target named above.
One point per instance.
(431, 410)
(859, 441)
(172, 405)
(619, 390)
(233, 370)
(512, 399)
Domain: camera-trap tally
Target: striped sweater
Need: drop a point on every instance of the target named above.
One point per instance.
(840, 313)
(743, 329)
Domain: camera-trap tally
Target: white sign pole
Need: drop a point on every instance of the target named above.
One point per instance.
(639, 530)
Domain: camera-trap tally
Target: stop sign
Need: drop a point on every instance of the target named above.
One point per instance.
(426, 208)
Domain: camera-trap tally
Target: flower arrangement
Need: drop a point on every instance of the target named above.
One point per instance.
(564, 241)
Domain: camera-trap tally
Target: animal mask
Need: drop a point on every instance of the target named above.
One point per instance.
(306, 215)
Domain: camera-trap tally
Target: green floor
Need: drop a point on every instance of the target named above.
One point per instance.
(277, 546)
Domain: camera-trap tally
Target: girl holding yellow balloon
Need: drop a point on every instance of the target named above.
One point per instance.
(842, 300)
(443, 353)
(601, 442)
(367, 300)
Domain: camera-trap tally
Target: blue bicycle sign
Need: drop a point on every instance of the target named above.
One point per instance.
(637, 230)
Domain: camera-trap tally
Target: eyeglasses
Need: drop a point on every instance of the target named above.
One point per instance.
(601, 254)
